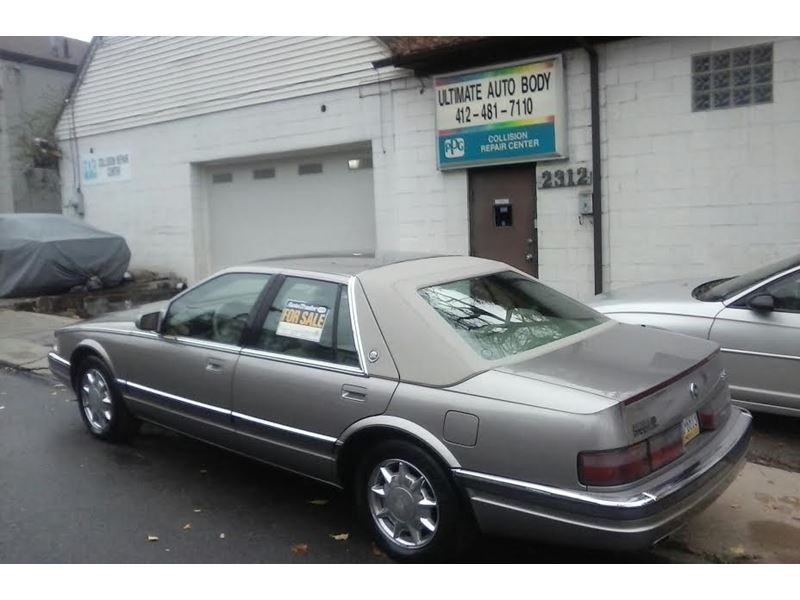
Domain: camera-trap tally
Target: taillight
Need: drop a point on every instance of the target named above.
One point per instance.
(665, 447)
(625, 465)
(711, 417)
(614, 467)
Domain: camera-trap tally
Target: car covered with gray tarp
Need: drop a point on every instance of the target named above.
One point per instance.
(49, 254)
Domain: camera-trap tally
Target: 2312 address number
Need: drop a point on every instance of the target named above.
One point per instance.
(565, 178)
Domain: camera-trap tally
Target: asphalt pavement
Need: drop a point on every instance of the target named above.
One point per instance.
(165, 498)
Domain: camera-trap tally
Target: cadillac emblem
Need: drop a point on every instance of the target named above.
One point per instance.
(694, 390)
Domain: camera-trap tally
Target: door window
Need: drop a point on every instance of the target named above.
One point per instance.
(785, 293)
(217, 310)
(310, 319)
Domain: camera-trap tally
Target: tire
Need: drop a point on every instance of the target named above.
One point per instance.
(449, 526)
(100, 403)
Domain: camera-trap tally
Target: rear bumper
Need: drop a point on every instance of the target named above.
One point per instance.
(60, 367)
(629, 520)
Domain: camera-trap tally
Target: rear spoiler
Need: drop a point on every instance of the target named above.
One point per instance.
(670, 381)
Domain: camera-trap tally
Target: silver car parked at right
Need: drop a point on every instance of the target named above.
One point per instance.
(755, 317)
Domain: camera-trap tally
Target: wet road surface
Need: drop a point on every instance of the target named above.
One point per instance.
(67, 497)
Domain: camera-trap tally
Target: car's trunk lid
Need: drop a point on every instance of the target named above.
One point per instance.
(649, 373)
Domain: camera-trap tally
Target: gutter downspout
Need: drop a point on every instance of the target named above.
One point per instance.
(597, 213)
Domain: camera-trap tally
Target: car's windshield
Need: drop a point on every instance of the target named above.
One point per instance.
(507, 313)
(722, 289)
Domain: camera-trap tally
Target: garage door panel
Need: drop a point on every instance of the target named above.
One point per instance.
(249, 218)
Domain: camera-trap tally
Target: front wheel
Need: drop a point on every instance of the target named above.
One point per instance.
(101, 406)
(409, 502)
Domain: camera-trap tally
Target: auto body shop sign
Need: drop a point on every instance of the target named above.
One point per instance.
(103, 168)
(508, 114)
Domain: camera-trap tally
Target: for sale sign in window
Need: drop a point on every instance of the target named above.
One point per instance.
(507, 114)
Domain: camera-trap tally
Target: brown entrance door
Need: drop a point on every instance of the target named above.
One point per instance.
(502, 215)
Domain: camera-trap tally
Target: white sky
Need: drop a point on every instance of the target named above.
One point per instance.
(417, 17)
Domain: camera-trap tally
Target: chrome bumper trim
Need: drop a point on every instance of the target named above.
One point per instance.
(55, 357)
(612, 505)
(60, 367)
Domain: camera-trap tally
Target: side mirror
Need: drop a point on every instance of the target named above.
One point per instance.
(762, 302)
(149, 322)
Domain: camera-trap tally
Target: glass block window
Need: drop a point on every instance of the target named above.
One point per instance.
(731, 78)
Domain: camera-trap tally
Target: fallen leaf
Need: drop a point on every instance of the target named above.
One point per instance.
(738, 550)
(769, 481)
(318, 502)
(222, 536)
(299, 549)
(152, 538)
(340, 537)
(377, 551)
(187, 526)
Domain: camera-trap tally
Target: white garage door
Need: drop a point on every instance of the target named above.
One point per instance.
(319, 204)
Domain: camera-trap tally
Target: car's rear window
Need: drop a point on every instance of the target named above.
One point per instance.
(506, 313)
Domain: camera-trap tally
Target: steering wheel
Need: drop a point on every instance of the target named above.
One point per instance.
(228, 322)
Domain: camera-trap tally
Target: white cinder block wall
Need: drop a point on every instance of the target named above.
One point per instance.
(417, 207)
(566, 259)
(161, 212)
(695, 193)
(684, 194)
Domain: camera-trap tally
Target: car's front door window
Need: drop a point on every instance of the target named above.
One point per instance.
(310, 319)
(785, 293)
(217, 310)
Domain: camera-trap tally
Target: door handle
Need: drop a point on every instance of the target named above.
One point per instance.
(215, 365)
(354, 392)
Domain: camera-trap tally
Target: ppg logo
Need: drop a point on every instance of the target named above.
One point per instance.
(454, 147)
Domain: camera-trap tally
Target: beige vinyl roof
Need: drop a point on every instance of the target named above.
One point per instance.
(426, 350)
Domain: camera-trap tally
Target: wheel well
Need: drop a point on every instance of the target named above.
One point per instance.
(77, 358)
(355, 447)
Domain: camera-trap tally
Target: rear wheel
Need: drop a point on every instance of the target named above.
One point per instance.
(408, 500)
(100, 403)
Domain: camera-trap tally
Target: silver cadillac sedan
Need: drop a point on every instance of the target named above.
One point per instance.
(449, 394)
(755, 317)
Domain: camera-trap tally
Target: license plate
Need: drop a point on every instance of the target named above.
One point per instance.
(691, 428)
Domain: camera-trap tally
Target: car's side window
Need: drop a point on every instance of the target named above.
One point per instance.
(310, 319)
(217, 310)
(785, 293)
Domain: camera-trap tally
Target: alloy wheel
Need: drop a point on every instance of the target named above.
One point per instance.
(403, 504)
(96, 400)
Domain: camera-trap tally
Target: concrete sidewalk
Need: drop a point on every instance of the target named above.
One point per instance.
(757, 519)
(26, 338)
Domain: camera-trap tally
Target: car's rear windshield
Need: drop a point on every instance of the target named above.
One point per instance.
(506, 313)
(722, 289)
